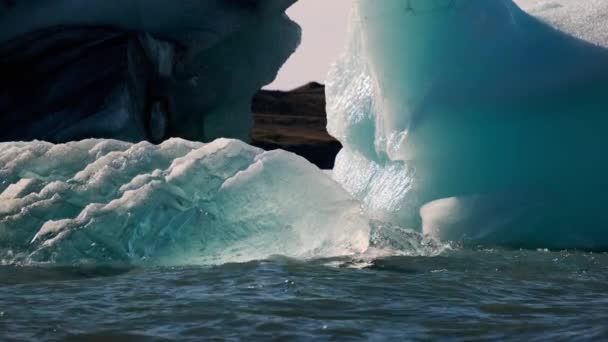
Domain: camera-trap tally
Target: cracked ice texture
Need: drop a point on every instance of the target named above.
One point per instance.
(112, 202)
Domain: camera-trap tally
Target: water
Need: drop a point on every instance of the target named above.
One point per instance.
(460, 294)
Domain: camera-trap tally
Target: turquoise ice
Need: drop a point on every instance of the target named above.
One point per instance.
(466, 120)
(105, 201)
(475, 121)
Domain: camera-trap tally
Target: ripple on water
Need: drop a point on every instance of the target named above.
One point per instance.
(463, 294)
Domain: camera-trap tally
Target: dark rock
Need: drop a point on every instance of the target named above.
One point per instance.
(295, 121)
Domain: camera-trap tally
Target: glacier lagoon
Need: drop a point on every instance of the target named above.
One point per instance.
(471, 129)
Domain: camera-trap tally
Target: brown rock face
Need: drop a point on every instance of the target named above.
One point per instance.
(295, 121)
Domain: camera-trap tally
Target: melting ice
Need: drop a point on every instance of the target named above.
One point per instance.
(180, 202)
(463, 119)
(473, 120)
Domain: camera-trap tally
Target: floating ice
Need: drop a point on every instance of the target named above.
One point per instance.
(105, 201)
(490, 118)
(137, 69)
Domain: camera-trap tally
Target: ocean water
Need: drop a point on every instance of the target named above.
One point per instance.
(461, 294)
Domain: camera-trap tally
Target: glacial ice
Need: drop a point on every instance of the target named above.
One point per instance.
(468, 120)
(472, 120)
(137, 69)
(180, 202)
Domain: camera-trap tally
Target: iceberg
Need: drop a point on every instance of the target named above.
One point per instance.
(177, 203)
(477, 121)
(137, 70)
(83, 83)
(474, 121)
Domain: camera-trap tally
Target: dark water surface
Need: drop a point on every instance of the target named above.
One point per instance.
(519, 295)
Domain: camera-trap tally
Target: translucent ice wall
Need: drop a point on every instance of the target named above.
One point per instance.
(111, 202)
(474, 120)
(137, 69)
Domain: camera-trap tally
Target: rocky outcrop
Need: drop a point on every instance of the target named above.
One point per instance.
(295, 121)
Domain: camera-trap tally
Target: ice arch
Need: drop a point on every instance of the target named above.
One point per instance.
(136, 69)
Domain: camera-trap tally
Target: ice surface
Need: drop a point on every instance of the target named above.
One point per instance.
(587, 19)
(105, 201)
(137, 69)
(490, 118)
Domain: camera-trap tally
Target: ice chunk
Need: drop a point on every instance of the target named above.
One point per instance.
(517, 220)
(180, 202)
(447, 99)
(137, 70)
